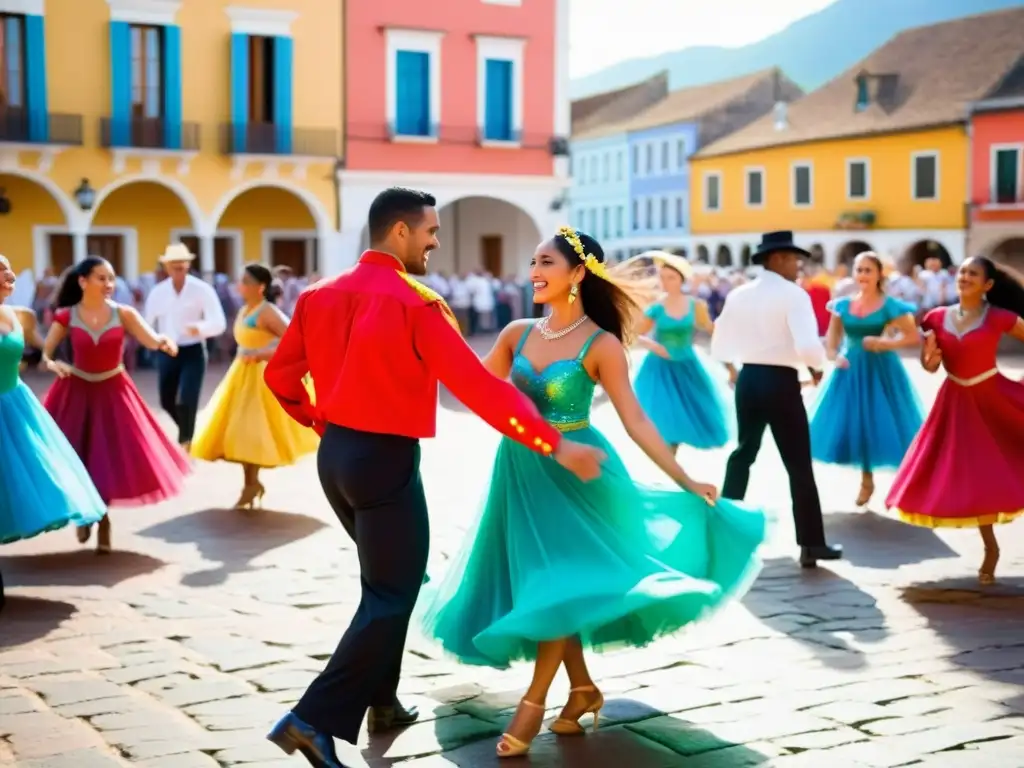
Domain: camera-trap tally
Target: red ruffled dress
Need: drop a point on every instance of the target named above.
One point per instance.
(965, 468)
(126, 452)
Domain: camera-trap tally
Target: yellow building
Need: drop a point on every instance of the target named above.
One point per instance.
(129, 124)
(875, 159)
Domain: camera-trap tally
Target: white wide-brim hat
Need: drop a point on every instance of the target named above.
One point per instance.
(176, 252)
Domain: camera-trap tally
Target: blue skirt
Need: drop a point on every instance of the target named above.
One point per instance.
(688, 400)
(43, 484)
(866, 415)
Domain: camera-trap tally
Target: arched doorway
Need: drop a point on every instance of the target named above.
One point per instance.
(133, 220)
(484, 233)
(923, 250)
(269, 223)
(723, 256)
(849, 251)
(745, 253)
(1011, 253)
(703, 257)
(38, 209)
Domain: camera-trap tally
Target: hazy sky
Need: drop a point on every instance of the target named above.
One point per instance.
(604, 32)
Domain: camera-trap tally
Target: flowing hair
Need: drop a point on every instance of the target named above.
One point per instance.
(69, 291)
(1007, 291)
(616, 303)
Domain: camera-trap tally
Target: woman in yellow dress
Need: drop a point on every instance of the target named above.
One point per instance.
(243, 422)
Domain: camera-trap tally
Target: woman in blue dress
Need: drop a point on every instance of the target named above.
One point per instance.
(867, 412)
(556, 565)
(682, 392)
(43, 483)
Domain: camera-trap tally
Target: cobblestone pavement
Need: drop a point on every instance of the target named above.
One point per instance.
(180, 649)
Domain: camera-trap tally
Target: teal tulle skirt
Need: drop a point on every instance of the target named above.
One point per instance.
(866, 415)
(688, 399)
(613, 562)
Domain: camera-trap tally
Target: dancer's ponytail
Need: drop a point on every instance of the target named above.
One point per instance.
(69, 291)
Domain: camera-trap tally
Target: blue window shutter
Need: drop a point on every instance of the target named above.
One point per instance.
(412, 94)
(283, 77)
(172, 87)
(239, 91)
(498, 101)
(35, 84)
(120, 83)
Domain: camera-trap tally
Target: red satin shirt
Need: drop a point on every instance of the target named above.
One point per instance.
(375, 343)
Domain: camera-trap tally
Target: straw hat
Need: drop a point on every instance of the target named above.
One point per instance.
(176, 252)
(666, 259)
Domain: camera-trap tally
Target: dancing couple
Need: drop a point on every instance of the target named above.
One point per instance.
(632, 562)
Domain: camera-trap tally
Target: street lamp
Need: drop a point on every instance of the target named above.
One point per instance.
(85, 195)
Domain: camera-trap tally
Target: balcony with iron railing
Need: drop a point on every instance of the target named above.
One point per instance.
(149, 133)
(19, 126)
(270, 139)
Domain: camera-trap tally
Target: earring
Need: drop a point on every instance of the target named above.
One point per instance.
(574, 292)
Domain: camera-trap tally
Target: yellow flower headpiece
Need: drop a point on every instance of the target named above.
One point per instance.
(590, 261)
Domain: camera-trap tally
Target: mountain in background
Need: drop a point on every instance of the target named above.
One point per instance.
(810, 51)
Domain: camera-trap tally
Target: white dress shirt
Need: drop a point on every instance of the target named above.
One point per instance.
(172, 313)
(769, 321)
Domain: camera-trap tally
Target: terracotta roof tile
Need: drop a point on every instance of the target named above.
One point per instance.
(922, 77)
(612, 106)
(683, 105)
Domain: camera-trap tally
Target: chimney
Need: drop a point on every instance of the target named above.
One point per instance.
(781, 115)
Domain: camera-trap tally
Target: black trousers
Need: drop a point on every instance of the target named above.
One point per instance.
(180, 382)
(769, 396)
(373, 483)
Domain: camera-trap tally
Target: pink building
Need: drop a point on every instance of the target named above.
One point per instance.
(468, 100)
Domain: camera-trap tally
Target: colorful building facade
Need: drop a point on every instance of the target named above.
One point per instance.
(997, 171)
(129, 124)
(876, 159)
(467, 100)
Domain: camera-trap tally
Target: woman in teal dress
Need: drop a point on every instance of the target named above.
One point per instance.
(556, 565)
(683, 393)
(43, 483)
(867, 412)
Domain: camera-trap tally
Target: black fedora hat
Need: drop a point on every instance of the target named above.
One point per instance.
(776, 241)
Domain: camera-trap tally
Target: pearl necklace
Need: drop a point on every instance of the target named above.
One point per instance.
(548, 335)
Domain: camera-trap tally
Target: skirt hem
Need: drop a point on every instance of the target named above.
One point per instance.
(929, 521)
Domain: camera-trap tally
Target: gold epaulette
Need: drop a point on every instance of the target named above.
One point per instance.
(431, 297)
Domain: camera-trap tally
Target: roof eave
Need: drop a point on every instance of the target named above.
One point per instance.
(994, 105)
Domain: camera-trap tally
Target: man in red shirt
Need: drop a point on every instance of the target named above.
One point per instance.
(375, 342)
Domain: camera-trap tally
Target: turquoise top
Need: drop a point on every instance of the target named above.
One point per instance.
(563, 391)
(873, 324)
(12, 347)
(675, 334)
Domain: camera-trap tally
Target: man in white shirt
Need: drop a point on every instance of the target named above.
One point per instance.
(186, 309)
(768, 327)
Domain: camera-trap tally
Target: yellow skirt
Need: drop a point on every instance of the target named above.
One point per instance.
(244, 423)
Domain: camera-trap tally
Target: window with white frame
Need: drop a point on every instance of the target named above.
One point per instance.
(636, 214)
(802, 184)
(606, 223)
(664, 212)
(754, 187)
(413, 70)
(648, 159)
(712, 191)
(1006, 174)
(680, 212)
(592, 229)
(664, 156)
(681, 154)
(593, 168)
(636, 160)
(858, 184)
(924, 175)
(620, 216)
(620, 161)
(499, 88)
(649, 213)
(606, 171)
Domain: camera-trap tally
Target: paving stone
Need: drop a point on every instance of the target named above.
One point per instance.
(202, 691)
(183, 760)
(231, 654)
(448, 733)
(114, 704)
(56, 694)
(76, 758)
(16, 702)
(818, 740)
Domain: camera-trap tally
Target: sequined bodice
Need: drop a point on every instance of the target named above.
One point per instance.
(563, 391)
(12, 347)
(248, 335)
(674, 333)
(95, 350)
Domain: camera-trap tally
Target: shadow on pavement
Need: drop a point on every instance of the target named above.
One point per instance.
(26, 619)
(816, 607)
(81, 567)
(984, 624)
(871, 540)
(232, 539)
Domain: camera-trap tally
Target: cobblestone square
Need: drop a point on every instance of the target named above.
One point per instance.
(181, 648)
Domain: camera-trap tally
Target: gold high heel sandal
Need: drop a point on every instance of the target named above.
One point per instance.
(987, 572)
(565, 726)
(512, 746)
(252, 496)
(867, 490)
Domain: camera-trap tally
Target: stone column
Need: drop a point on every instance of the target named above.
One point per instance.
(80, 246)
(206, 261)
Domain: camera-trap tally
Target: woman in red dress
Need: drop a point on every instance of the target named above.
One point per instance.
(129, 457)
(976, 427)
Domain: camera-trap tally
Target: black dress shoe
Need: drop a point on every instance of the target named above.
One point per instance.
(809, 556)
(381, 719)
(291, 735)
